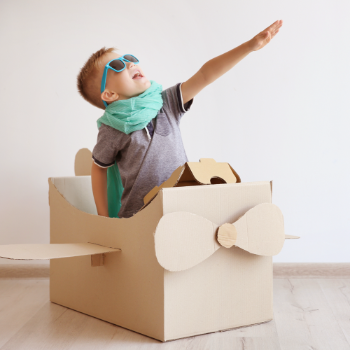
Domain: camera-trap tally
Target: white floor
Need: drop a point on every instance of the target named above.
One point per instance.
(309, 314)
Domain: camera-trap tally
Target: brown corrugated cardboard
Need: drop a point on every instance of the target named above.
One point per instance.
(83, 162)
(130, 284)
(51, 251)
(205, 172)
(183, 239)
(224, 289)
(260, 230)
(136, 292)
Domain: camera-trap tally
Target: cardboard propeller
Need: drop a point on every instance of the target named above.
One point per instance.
(183, 239)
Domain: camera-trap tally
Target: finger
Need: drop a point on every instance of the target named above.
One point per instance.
(280, 23)
(277, 25)
(275, 30)
(274, 33)
(274, 24)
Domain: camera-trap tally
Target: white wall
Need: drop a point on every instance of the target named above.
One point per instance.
(280, 114)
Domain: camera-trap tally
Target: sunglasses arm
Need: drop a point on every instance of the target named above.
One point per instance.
(103, 83)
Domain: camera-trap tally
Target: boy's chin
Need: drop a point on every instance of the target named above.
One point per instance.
(143, 82)
(146, 83)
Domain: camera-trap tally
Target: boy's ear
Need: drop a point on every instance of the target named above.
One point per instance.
(109, 96)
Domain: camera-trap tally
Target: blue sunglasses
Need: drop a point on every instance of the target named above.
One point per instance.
(118, 65)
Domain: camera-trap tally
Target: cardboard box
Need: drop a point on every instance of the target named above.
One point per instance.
(108, 268)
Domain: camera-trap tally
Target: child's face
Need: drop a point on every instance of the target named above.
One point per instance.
(121, 85)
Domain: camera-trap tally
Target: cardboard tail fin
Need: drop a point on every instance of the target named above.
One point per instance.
(55, 251)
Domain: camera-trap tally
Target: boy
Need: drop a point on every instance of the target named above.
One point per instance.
(150, 148)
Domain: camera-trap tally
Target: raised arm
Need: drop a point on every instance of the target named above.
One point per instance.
(216, 67)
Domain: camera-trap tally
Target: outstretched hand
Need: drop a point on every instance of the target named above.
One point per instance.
(264, 37)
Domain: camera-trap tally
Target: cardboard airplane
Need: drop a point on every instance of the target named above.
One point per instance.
(196, 258)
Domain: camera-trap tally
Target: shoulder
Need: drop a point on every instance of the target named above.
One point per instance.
(109, 142)
(172, 98)
(111, 137)
(107, 132)
(108, 129)
(173, 101)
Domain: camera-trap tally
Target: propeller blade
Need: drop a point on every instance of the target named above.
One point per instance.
(183, 239)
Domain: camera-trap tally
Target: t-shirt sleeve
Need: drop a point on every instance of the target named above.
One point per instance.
(107, 147)
(173, 102)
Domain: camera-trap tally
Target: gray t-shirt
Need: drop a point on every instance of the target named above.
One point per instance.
(145, 161)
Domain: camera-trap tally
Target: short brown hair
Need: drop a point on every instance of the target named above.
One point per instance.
(88, 87)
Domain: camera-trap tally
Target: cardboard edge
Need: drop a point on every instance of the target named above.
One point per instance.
(35, 250)
(62, 208)
(212, 161)
(160, 340)
(238, 178)
(218, 331)
(271, 187)
(174, 178)
(53, 187)
(189, 168)
(170, 182)
(49, 180)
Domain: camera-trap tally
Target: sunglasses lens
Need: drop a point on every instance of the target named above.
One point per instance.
(131, 58)
(117, 64)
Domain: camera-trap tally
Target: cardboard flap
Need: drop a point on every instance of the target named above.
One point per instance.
(83, 161)
(51, 251)
(77, 191)
(171, 182)
(205, 172)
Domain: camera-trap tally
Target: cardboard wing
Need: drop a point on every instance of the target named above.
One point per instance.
(82, 167)
(183, 239)
(55, 251)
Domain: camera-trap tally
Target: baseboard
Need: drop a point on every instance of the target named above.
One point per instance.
(311, 270)
(280, 270)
